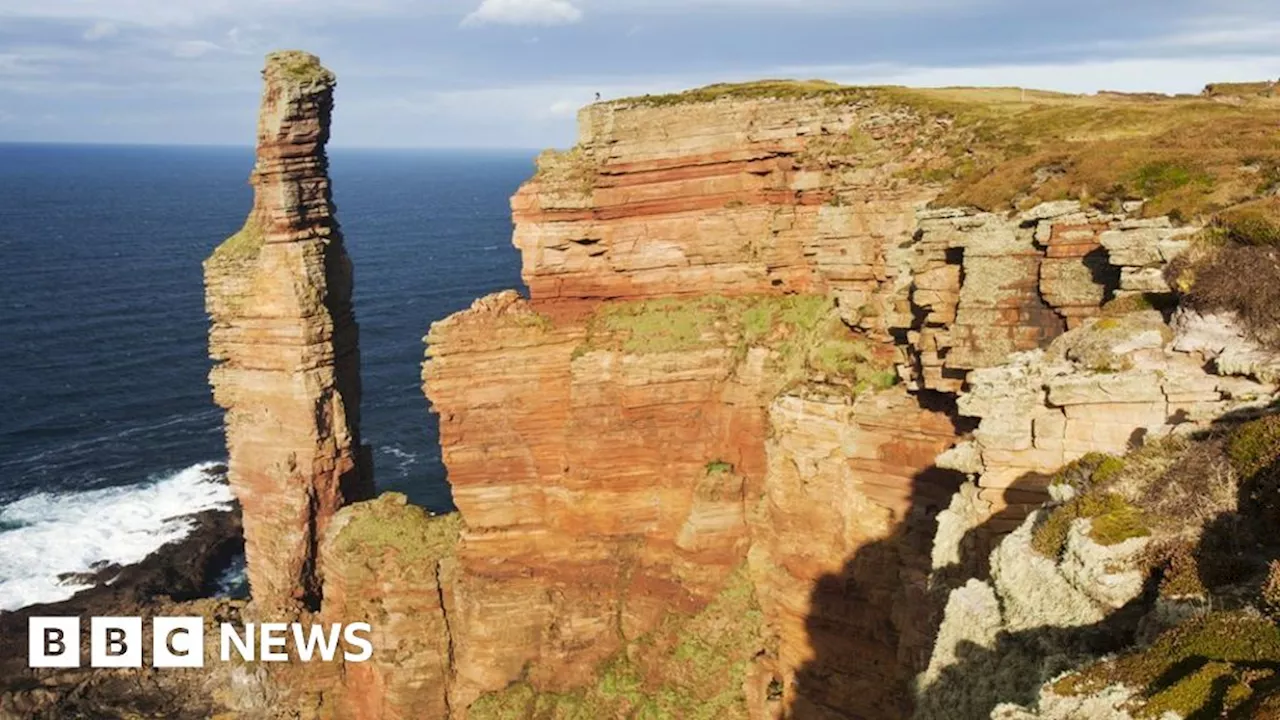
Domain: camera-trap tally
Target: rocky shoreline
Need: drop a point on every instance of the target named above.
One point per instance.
(179, 578)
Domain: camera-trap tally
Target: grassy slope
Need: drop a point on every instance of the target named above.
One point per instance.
(1189, 155)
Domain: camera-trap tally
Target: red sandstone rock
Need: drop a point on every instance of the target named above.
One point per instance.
(285, 342)
(730, 198)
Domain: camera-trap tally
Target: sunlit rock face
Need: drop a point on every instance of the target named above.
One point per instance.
(285, 343)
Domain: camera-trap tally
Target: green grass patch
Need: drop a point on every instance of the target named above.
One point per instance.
(1199, 669)
(719, 467)
(391, 523)
(245, 245)
(1165, 176)
(1113, 520)
(804, 333)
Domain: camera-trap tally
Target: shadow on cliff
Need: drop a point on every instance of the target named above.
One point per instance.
(872, 626)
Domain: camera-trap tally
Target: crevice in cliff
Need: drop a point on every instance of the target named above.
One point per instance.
(445, 603)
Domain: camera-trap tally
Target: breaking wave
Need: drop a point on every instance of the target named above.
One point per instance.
(46, 536)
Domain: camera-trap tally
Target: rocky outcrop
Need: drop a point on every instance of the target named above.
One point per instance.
(735, 197)
(983, 286)
(390, 564)
(1035, 617)
(840, 547)
(762, 411)
(1105, 387)
(169, 582)
(285, 342)
(637, 430)
(623, 440)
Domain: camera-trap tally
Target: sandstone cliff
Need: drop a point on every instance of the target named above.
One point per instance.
(794, 359)
(656, 418)
(285, 342)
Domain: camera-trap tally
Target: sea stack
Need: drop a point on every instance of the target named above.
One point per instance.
(285, 343)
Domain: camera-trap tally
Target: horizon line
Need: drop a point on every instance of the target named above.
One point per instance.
(245, 146)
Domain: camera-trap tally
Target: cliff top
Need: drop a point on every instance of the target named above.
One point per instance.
(1187, 155)
(296, 66)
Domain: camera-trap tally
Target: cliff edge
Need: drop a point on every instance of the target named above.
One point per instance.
(808, 412)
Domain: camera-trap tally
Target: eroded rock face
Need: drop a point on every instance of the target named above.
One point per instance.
(285, 342)
(840, 549)
(586, 478)
(733, 197)
(606, 488)
(391, 565)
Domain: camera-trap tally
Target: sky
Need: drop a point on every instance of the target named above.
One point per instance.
(512, 73)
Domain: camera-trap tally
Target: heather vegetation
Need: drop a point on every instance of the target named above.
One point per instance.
(1210, 506)
(1235, 267)
(1188, 156)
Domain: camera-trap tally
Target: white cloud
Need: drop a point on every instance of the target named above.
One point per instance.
(524, 12)
(564, 108)
(1163, 75)
(101, 29)
(194, 48)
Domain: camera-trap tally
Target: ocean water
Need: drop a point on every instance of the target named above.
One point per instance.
(108, 433)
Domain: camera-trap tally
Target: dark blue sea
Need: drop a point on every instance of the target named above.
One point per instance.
(108, 433)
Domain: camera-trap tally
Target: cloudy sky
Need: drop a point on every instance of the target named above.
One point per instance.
(511, 73)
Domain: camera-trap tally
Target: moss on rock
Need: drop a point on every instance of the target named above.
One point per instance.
(298, 66)
(244, 245)
(1198, 669)
(691, 668)
(390, 523)
(803, 332)
(1112, 521)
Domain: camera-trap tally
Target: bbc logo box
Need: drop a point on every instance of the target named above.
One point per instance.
(115, 642)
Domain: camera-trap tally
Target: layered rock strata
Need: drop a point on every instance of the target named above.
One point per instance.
(982, 286)
(716, 462)
(607, 487)
(285, 342)
(406, 555)
(732, 198)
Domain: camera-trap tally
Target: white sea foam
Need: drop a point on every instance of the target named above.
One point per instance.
(46, 535)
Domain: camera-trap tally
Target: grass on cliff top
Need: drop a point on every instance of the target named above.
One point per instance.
(1189, 156)
(1203, 668)
(1113, 519)
(691, 668)
(391, 523)
(242, 246)
(803, 332)
(1234, 266)
(299, 66)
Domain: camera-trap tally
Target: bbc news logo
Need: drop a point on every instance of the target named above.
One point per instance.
(178, 642)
